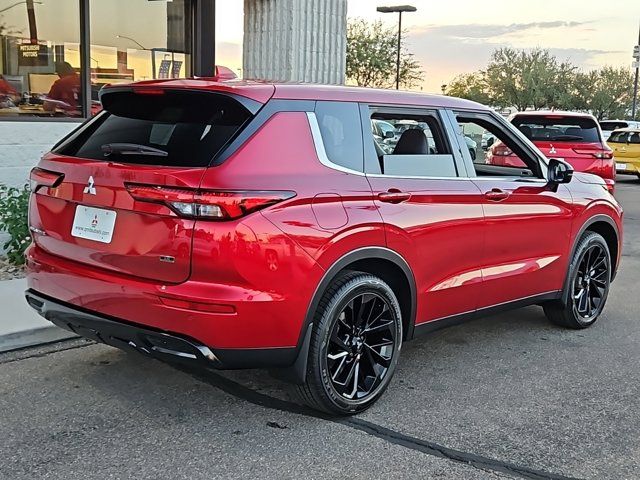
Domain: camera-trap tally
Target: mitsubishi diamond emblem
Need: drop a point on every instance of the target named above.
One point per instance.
(553, 150)
(90, 188)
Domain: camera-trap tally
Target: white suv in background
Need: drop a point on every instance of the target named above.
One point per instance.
(608, 126)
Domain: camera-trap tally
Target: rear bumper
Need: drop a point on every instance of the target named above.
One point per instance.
(155, 343)
(632, 167)
(238, 315)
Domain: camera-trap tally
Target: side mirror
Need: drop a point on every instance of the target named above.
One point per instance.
(389, 134)
(559, 171)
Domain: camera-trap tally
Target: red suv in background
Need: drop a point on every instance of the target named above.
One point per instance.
(243, 225)
(573, 137)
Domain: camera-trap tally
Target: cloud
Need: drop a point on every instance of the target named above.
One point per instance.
(449, 50)
(478, 31)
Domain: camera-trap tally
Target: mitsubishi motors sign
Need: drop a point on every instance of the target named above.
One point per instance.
(33, 55)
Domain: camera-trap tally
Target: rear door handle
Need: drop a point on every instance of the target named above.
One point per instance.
(496, 194)
(394, 196)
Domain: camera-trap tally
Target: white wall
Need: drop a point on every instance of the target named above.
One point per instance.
(23, 143)
(21, 146)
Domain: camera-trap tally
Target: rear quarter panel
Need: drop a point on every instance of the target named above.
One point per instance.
(295, 241)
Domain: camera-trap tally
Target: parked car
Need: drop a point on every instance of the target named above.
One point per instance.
(384, 135)
(626, 150)
(472, 145)
(572, 137)
(608, 126)
(252, 225)
(487, 140)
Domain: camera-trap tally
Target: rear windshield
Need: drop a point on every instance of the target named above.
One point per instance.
(558, 129)
(618, 137)
(611, 126)
(170, 128)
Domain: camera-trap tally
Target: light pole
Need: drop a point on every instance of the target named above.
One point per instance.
(399, 9)
(133, 40)
(636, 57)
(142, 47)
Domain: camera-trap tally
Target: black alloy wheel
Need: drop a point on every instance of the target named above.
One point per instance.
(591, 282)
(587, 284)
(355, 344)
(361, 346)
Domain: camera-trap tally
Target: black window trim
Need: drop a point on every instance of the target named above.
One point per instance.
(372, 165)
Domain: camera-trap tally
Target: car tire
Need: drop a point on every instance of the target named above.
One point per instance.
(587, 285)
(355, 345)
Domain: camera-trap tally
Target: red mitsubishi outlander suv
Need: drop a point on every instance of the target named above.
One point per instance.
(573, 137)
(242, 225)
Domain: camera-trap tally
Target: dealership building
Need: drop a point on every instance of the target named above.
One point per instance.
(91, 43)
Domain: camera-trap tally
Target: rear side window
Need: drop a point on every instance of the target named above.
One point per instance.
(167, 129)
(619, 137)
(556, 128)
(418, 146)
(634, 138)
(611, 126)
(341, 132)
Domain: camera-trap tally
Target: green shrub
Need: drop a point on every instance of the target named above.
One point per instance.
(14, 204)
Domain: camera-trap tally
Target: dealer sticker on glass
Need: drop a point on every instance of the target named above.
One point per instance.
(93, 224)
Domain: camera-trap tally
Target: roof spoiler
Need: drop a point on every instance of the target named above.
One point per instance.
(223, 73)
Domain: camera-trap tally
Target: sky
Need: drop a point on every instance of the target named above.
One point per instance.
(450, 37)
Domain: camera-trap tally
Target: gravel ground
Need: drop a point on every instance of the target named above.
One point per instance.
(9, 271)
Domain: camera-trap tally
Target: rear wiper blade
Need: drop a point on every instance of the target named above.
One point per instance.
(131, 149)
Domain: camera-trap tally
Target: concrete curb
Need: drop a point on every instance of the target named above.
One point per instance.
(20, 325)
(35, 336)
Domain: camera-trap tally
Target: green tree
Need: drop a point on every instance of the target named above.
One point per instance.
(372, 53)
(472, 86)
(606, 92)
(536, 79)
(529, 79)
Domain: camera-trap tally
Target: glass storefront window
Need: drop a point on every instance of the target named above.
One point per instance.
(142, 40)
(39, 61)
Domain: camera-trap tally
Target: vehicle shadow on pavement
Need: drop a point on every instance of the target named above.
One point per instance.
(443, 369)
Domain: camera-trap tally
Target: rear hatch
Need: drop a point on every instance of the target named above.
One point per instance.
(625, 145)
(608, 126)
(100, 196)
(575, 139)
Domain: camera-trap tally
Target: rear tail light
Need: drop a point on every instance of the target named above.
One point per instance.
(44, 178)
(208, 204)
(502, 151)
(602, 154)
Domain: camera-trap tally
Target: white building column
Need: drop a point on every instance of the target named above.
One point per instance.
(295, 40)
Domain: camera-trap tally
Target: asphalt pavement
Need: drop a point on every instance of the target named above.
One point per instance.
(508, 396)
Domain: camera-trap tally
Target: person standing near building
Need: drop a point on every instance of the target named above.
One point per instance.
(65, 92)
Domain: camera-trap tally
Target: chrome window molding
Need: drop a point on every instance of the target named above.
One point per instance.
(320, 150)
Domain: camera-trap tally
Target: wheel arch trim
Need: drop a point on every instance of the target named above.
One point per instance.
(297, 372)
(596, 219)
(583, 228)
